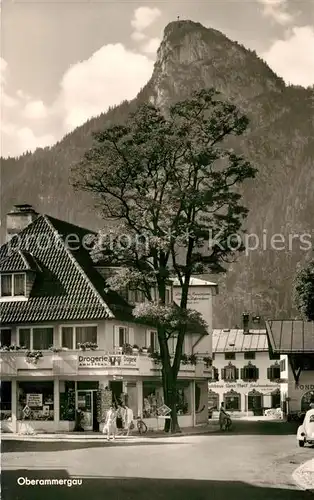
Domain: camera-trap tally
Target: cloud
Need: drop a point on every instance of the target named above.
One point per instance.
(277, 11)
(86, 89)
(137, 36)
(90, 87)
(35, 110)
(292, 58)
(151, 46)
(144, 16)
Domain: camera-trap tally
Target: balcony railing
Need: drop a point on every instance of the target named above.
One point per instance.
(67, 362)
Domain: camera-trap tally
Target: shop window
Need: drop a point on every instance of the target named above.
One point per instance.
(67, 400)
(5, 338)
(153, 398)
(35, 400)
(13, 285)
(275, 399)
(249, 373)
(5, 401)
(255, 402)
(230, 356)
(249, 355)
(232, 401)
(306, 400)
(229, 372)
(213, 400)
(73, 335)
(273, 372)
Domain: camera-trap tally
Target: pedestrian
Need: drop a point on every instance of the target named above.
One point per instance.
(222, 415)
(128, 422)
(119, 418)
(110, 427)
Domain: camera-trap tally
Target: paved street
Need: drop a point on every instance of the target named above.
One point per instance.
(246, 465)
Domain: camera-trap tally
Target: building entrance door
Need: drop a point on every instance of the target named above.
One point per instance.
(85, 404)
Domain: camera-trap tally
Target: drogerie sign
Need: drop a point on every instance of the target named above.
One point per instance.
(107, 360)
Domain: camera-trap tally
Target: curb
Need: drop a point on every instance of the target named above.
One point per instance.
(304, 476)
(99, 437)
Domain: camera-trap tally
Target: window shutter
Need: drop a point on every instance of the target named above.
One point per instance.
(236, 373)
(116, 337)
(269, 374)
(223, 374)
(243, 373)
(131, 336)
(257, 372)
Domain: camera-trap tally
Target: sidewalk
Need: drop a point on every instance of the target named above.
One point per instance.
(96, 436)
(304, 476)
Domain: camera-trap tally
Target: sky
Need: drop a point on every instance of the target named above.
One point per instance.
(65, 61)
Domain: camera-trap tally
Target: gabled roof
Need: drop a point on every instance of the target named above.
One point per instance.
(18, 261)
(237, 341)
(195, 282)
(68, 287)
(291, 336)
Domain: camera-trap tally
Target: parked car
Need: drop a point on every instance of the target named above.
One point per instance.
(305, 432)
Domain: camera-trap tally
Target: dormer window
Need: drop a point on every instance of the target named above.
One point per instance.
(13, 285)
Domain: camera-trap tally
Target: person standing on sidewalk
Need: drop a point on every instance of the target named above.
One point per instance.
(110, 426)
(128, 422)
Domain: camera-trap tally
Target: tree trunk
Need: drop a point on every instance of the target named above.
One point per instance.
(170, 399)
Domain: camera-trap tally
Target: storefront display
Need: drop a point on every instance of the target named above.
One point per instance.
(35, 400)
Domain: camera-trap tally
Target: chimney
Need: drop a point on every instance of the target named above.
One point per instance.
(19, 218)
(245, 323)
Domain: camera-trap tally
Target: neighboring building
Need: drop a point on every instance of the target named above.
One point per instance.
(248, 378)
(53, 298)
(200, 298)
(293, 341)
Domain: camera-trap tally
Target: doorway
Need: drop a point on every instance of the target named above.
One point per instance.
(116, 387)
(87, 403)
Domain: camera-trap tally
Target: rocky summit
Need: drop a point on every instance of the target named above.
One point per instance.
(279, 142)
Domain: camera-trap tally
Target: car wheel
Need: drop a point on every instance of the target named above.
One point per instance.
(301, 444)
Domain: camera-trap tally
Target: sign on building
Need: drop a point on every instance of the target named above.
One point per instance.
(163, 410)
(34, 400)
(107, 360)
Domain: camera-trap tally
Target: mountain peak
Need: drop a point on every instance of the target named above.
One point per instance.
(192, 56)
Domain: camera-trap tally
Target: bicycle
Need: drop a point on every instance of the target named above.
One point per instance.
(227, 424)
(141, 426)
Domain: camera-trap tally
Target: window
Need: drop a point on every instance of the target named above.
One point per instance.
(122, 336)
(283, 365)
(232, 401)
(25, 337)
(153, 398)
(153, 341)
(136, 296)
(230, 356)
(6, 400)
(5, 337)
(255, 402)
(249, 373)
(168, 298)
(12, 285)
(38, 396)
(229, 372)
(249, 355)
(273, 372)
(42, 338)
(37, 338)
(71, 336)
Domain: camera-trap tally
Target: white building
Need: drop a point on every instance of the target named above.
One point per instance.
(248, 378)
(293, 341)
(63, 335)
